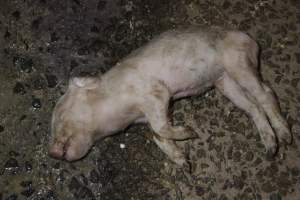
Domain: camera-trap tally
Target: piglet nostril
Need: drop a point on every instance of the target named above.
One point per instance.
(56, 151)
(56, 154)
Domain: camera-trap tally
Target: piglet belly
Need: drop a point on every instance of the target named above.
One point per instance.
(192, 80)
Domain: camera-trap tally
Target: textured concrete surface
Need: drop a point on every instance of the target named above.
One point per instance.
(45, 42)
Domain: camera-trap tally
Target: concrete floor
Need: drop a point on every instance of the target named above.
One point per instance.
(43, 43)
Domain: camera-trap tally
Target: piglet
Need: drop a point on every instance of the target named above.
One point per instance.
(176, 64)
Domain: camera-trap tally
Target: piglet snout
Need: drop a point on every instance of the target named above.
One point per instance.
(71, 149)
(56, 150)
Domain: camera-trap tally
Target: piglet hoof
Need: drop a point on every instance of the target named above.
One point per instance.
(285, 137)
(183, 163)
(271, 152)
(187, 167)
(193, 134)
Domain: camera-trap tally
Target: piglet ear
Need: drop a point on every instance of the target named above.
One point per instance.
(85, 82)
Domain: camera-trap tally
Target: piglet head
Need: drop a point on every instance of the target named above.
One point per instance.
(73, 124)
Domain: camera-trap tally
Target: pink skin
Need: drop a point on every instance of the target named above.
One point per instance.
(74, 149)
(176, 64)
(57, 150)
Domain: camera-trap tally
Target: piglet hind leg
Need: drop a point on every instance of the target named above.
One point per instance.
(235, 93)
(240, 62)
(279, 124)
(154, 105)
(264, 97)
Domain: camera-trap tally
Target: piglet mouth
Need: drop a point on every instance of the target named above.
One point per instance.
(69, 150)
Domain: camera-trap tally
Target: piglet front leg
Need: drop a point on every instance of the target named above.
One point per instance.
(154, 106)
